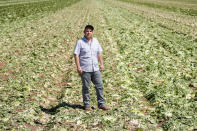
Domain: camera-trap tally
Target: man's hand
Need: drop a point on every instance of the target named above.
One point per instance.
(101, 67)
(100, 58)
(79, 70)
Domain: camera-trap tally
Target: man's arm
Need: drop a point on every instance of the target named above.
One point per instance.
(100, 58)
(78, 64)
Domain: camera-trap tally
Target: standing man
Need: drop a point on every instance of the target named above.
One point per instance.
(87, 53)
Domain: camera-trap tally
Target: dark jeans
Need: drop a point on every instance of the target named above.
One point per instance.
(96, 79)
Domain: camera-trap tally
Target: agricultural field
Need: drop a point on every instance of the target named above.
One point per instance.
(150, 58)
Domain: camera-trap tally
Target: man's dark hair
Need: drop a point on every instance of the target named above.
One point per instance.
(89, 27)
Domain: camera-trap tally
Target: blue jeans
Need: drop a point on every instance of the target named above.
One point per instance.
(96, 79)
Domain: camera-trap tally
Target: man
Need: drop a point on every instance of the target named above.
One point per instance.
(87, 52)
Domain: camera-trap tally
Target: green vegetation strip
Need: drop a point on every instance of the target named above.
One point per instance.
(12, 2)
(11, 13)
(191, 12)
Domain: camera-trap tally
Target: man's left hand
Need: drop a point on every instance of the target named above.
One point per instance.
(101, 67)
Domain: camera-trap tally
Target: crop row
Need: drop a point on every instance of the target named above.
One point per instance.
(178, 7)
(176, 22)
(11, 13)
(160, 64)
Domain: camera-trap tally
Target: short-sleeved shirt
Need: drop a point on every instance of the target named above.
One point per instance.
(88, 54)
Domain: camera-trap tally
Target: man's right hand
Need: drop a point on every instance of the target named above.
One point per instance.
(79, 70)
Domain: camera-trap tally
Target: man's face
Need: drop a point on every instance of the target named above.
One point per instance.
(88, 33)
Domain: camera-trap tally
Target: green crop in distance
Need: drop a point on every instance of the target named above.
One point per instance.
(12, 12)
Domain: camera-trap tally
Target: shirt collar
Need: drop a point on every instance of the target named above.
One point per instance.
(84, 39)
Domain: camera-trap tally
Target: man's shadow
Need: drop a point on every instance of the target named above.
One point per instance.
(54, 110)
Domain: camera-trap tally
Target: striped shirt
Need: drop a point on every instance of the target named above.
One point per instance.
(88, 54)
